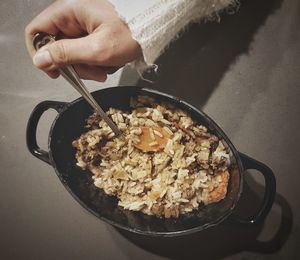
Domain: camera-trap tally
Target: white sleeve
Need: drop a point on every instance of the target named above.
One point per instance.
(155, 23)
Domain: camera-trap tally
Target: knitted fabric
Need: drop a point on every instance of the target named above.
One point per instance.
(155, 23)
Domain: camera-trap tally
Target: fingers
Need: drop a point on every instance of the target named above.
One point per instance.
(50, 62)
(53, 74)
(92, 49)
(41, 23)
(111, 70)
(56, 19)
(108, 46)
(68, 51)
(91, 72)
(86, 72)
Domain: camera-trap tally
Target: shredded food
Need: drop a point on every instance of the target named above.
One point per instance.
(189, 170)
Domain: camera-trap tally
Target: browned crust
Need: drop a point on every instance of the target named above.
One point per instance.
(219, 192)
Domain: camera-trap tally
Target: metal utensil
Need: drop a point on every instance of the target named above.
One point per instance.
(69, 73)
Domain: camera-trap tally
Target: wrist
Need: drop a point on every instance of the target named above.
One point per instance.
(155, 23)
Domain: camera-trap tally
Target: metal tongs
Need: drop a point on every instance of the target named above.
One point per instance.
(69, 73)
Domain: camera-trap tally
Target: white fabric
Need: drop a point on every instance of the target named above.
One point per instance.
(155, 23)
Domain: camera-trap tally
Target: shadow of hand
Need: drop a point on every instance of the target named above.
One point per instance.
(191, 69)
(193, 65)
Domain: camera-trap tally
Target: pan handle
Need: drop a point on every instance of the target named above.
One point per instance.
(32, 127)
(270, 189)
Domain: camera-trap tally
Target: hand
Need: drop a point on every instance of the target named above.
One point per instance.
(93, 38)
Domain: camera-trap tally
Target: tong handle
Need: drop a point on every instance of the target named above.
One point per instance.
(69, 73)
(72, 77)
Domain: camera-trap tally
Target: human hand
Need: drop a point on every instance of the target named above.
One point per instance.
(93, 38)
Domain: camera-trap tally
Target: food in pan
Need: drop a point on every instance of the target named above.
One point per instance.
(182, 166)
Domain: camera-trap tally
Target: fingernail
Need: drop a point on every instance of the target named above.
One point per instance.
(42, 59)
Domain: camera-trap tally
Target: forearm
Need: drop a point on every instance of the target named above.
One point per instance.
(155, 23)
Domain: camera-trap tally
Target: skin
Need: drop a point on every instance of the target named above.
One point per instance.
(92, 36)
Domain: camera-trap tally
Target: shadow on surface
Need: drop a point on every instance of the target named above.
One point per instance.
(196, 62)
(227, 238)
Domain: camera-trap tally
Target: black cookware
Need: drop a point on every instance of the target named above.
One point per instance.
(69, 124)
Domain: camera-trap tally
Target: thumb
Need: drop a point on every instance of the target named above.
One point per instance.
(68, 51)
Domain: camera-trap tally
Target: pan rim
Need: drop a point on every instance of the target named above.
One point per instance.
(218, 129)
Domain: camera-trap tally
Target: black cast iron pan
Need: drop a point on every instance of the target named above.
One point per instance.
(69, 124)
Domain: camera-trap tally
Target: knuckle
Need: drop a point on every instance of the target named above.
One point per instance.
(107, 55)
(27, 29)
(96, 48)
(59, 54)
(101, 52)
(106, 47)
(62, 21)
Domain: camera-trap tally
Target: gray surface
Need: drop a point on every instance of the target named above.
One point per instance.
(244, 72)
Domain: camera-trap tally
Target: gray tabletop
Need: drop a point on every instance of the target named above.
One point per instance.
(244, 72)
